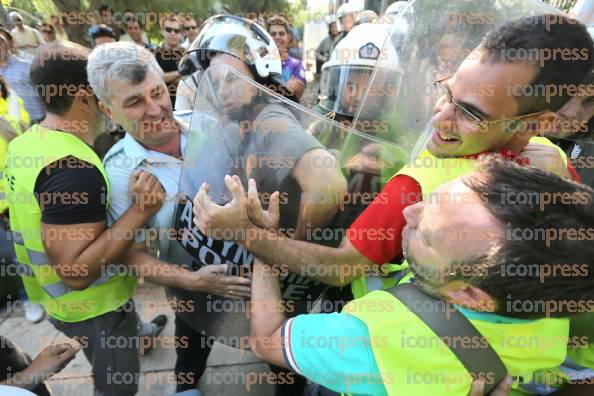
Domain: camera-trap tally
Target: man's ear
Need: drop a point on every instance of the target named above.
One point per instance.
(106, 109)
(461, 293)
(83, 98)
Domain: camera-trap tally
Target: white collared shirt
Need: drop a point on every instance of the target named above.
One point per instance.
(123, 159)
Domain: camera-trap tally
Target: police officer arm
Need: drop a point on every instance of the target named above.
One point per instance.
(211, 279)
(78, 251)
(322, 184)
(266, 316)
(340, 265)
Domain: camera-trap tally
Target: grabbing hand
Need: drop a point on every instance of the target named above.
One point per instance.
(545, 158)
(213, 279)
(502, 389)
(49, 362)
(146, 192)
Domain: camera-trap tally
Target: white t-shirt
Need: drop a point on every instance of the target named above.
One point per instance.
(29, 39)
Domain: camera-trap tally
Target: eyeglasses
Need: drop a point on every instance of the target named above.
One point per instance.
(467, 115)
(190, 27)
(171, 30)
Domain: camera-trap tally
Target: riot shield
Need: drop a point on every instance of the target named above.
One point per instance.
(239, 127)
(431, 38)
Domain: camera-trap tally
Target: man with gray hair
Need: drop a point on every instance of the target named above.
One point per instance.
(132, 91)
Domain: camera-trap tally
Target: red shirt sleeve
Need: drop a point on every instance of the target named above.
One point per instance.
(377, 232)
(573, 172)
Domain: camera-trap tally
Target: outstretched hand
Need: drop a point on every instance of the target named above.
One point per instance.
(230, 221)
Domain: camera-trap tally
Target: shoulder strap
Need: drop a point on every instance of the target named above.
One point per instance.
(448, 323)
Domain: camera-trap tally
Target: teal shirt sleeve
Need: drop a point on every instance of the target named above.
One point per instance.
(333, 350)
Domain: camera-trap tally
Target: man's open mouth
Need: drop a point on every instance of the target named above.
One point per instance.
(445, 138)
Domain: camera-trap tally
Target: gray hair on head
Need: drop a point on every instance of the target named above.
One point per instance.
(121, 61)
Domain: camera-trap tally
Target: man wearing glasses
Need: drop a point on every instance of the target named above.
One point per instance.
(190, 31)
(466, 125)
(170, 52)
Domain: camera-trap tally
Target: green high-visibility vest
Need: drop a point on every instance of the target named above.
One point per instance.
(414, 361)
(430, 172)
(580, 358)
(28, 155)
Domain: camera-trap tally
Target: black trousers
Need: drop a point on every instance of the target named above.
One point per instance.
(110, 344)
(191, 362)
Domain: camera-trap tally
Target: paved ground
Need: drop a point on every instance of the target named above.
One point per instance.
(225, 376)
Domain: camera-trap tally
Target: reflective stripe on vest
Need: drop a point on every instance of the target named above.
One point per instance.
(24, 270)
(35, 257)
(59, 288)
(17, 237)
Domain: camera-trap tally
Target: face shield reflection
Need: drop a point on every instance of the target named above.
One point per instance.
(233, 92)
(241, 128)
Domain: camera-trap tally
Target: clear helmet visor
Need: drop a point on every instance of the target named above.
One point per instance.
(343, 90)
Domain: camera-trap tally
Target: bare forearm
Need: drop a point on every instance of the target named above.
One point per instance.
(151, 269)
(316, 210)
(110, 246)
(325, 264)
(324, 187)
(266, 314)
(170, 77)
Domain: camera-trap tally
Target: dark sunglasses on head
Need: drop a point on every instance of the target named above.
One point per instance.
(190, 27)
(170, 30)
